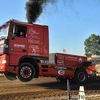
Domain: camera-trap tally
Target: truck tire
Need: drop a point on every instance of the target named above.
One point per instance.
(26, 72)
(81, 76)
(10, 76)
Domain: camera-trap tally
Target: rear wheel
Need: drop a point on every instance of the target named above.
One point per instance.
(26, 72)
(81, 76)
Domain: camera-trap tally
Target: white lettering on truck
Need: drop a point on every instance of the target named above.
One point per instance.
(60, 62)
(19, 45)
(80, 60)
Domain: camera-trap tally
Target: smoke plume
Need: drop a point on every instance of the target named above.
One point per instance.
(34, 8)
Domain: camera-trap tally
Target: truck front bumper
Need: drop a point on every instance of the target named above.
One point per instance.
(10, 69)
(4, 65)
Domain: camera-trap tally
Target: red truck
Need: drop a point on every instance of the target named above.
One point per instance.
(27, 56)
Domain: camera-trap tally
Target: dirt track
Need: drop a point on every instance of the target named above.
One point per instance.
(41, 88)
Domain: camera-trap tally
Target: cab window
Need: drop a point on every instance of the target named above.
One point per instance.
(21, 31)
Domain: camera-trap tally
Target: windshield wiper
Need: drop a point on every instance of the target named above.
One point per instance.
(2, 38)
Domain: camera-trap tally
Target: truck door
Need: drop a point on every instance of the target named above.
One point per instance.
(17, 44)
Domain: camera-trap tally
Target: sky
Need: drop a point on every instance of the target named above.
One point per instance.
(70, 22)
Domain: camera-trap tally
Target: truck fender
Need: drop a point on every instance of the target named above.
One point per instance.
(32, 61)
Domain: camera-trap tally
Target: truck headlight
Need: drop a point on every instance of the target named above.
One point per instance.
(4, 61)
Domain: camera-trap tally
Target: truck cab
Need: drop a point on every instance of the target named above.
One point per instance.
(20, 43)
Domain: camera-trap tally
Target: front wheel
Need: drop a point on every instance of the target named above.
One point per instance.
(81, 76)
(26, 72)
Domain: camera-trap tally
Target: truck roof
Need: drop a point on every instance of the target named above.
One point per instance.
(24, 23)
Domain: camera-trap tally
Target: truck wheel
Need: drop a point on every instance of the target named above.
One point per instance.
(10, 76)
(26, 72)
(81, 76)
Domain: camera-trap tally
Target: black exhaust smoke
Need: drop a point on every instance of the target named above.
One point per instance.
(34, 8)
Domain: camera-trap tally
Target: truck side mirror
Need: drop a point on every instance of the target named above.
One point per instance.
(14, 30)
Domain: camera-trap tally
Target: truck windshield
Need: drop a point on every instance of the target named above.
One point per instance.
(4, 31)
